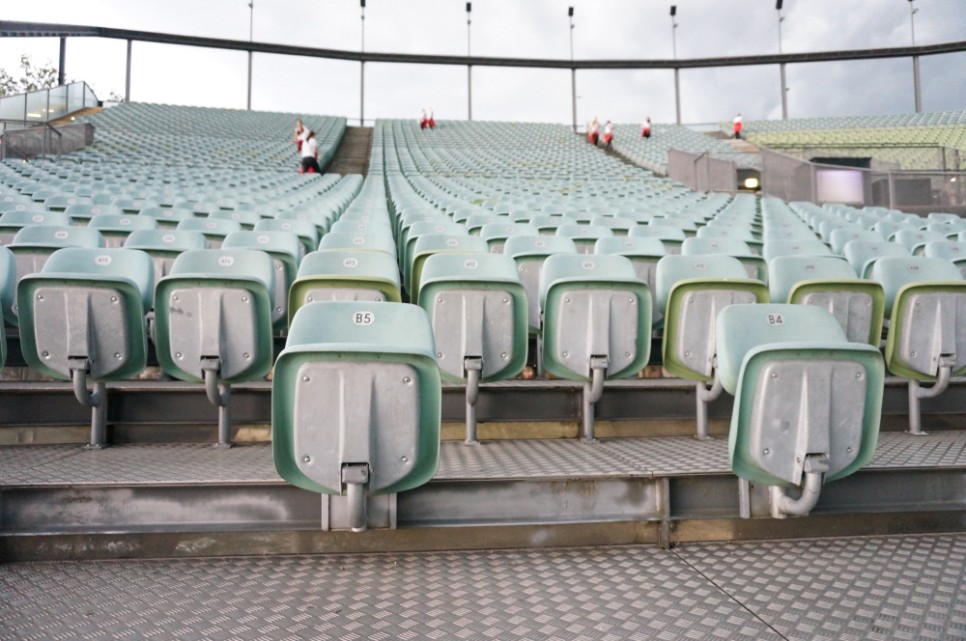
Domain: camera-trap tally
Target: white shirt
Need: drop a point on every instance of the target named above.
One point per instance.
(309, 148)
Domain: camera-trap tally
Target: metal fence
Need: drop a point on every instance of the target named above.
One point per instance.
(45, 140)
(795, 179)
(702, 172)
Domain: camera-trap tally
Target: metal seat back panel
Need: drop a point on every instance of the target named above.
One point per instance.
(928, 322)
(858, 305)
(689, 345)
(100, 320)
(796, 399)
(357, 383)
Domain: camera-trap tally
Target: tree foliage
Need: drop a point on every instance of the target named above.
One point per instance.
(31, 77)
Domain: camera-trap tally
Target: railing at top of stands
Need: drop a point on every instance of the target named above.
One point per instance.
(36, 107)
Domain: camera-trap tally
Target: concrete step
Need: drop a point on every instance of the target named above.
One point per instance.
(352, 157)
(743, 146)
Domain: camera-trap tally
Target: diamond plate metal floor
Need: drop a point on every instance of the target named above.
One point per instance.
(181, 464)
(845, 589)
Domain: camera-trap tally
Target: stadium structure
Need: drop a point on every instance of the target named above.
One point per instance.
(453, 388)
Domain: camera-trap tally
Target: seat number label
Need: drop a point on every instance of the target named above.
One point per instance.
(776, 319)
(363, 318)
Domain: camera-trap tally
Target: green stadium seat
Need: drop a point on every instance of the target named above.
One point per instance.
(380, 242)
(496, 234)
(13, 221)
(34, 244)
(214, 229)
(644, 254)
(842, 235)
(862, 254)
(951, 250)
(914, 241)
(8, 289)
(596, 323)
(283, 247)
(774, 248)
(246, 218)
(807, 400)
(82, 318)
(115, 228)
(356, 400)
(672, 237)
(60, 202)
(754, 264)
(584, 236)
(529, 253)
(478, 310)
(428, 245)
(163, 246)
(327, 275)
(167, 217)
(307, 233)
(926, 308)
(829, 282)
(692, 290)
(213, 322)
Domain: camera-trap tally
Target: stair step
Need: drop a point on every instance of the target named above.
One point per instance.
(352, 156)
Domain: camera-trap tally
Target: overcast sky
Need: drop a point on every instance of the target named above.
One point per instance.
(513, 28)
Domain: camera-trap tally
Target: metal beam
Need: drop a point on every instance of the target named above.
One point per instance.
(142, 406)
(16, 29)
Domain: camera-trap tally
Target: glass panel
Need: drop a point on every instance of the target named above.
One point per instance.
(58, 102)
(37, 106)
(12, 108)
(90, 100)
(75, 101)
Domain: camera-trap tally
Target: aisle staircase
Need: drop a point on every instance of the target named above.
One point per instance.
(352, 157)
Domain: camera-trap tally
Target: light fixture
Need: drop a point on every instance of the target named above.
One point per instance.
(751, 183)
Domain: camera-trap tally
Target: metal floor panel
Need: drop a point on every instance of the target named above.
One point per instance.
(638, 593)
(884, 588)
(880, 588)
(181, 464)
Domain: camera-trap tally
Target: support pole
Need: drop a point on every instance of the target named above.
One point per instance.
(96, 400)
(219, 394)
(815, 467)
(917, 393)
(677, 94)
(251, 37)
(593, 391)
(473, 365)
(127, 73)
(249, 102)
(355, 476)
(573, 95)
(704, 397)
(916, 84)
(469, 67)
(362, 94)
(62, 63)
(784, 93)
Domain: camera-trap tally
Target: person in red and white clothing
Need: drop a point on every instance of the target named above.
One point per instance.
(310, 155)
(608, 134)
(737, 126)
(300, 132)
(646, 128)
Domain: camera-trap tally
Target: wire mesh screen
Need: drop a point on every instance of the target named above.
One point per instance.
(702, 172)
